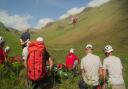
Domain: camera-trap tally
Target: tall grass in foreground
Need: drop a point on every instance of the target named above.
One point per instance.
(10, 76)
(13, 76)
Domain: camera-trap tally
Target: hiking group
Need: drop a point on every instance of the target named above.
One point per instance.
(36, 58)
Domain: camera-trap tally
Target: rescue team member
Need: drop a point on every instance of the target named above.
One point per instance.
(91, 68)
(36, 57)
(71, 60)
(25, 37)
(7, 51)
(25, 54)
(113, 69)
(2, 53)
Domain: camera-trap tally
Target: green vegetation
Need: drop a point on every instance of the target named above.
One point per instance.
(12, 39)
(9, 76)
(99, 26)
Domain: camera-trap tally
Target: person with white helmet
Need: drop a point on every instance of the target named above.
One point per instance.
(46, 54)
(113, 69)
(38, 48)
(25, 50)
(40, 39)
(7, 51)
(2, 53)
(91, 69)
(71, 60)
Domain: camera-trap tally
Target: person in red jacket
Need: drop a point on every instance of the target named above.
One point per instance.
(71, 60)
(2, 53)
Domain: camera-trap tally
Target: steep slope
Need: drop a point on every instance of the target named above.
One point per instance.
(12, 39)
(102, 25)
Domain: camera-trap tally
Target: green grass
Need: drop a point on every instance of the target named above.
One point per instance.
(12, 40)
(99, 26)
(102, 25)
(59, 57)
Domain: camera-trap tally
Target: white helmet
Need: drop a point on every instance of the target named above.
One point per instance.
(1, 40)
(71, 50)
(108, 49)
(89, 46)
(40, 39)
(7, 48)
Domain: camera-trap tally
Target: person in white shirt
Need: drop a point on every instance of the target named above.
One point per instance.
(113, 69)
(25, 55)
(91, 69)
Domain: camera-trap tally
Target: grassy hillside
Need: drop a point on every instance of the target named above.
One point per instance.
(101, 25)
(12, 39)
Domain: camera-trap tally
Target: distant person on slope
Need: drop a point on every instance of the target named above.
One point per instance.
(2, 53)
(73, 20)
(71, 60)
(91, 69)
(113, 69)
(25, 37)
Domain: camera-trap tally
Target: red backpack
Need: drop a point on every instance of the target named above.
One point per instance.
(36, 63)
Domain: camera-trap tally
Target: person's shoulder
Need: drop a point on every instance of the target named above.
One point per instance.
(84, 58)
(95, 56)
(106, 59)
(110, 58)
(74, 55)
(115, 57)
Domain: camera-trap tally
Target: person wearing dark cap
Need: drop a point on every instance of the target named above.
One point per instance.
(25, 37)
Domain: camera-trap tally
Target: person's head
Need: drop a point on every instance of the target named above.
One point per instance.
(7, 49)
(71, 50)
(27, 30)
(88, 48)
(2, 42)
(108, 50)
(40, 39)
